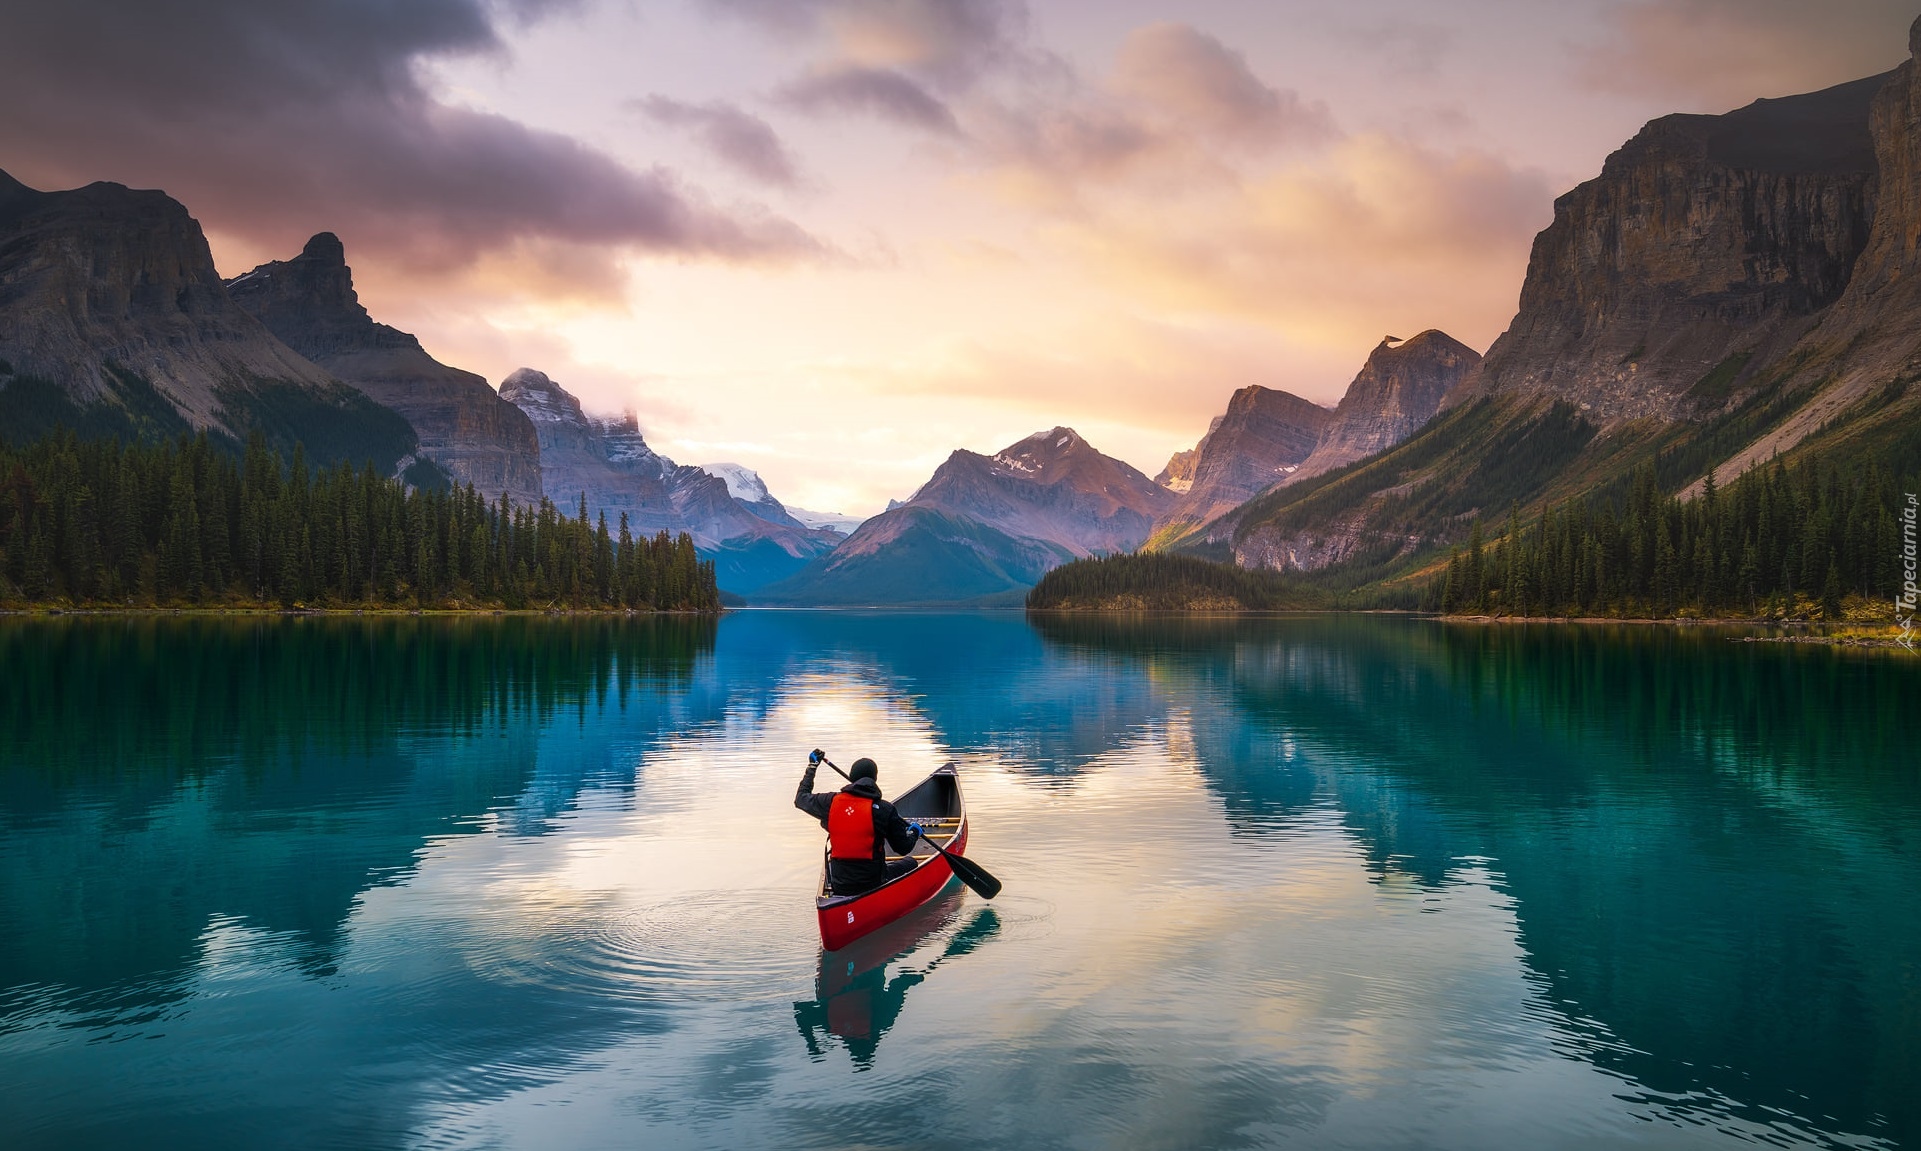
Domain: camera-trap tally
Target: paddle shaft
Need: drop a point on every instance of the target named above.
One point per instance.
(972, 874)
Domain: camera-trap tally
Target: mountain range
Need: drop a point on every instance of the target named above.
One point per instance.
(1727, 289)
(462, 424)
(606, 465)
(114, 321)
(164, 345)
(1730, 289)
(1269, 438)
(987, 526)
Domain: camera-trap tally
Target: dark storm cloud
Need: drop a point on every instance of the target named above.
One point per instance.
(740, 139)
(274, 120)
(882, 92)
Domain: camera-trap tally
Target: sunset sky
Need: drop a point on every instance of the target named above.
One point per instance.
(835, 239)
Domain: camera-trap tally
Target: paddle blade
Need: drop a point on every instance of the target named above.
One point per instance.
(973, 875)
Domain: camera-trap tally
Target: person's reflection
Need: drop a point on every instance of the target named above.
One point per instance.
(857, 1003)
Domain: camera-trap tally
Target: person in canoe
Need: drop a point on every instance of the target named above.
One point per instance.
(860, 825)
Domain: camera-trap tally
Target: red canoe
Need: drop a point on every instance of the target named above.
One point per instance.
(934, 803)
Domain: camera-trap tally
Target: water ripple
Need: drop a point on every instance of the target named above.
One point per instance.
(709, 947)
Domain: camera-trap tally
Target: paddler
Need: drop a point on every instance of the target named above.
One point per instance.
(860, 827)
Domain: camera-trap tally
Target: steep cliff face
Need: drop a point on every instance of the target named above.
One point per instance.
(1264, 436)
(1729, 289)
(110, 303)
(987, 525)
(1178, 475)
(1856, 370)
(463, 425)
(1705, 241)
(1399, 389)
(609, 462)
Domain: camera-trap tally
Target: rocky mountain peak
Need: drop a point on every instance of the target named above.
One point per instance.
(627, 447)
(607, 462)
(108, 274)
(544, 401)
(309, 300)
(326, 248)
(1703, 240)
(743, 482)
(1262, 438)
(1052, 485)
(1040, 455)
(1399, 388)
(310, 303)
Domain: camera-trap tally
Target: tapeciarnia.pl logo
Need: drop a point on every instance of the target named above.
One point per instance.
(1904, 603)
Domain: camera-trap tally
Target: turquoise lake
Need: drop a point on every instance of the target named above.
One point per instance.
(1318, 882)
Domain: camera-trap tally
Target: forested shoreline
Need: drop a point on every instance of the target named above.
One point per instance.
(1805, 541)
(1812, 541)
(98, 523)
(1157, 581)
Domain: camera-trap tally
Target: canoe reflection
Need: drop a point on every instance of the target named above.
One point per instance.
(854, 999)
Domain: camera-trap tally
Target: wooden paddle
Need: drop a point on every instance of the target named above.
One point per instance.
(972, 874)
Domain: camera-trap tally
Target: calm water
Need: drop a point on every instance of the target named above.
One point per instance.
(1316, 882)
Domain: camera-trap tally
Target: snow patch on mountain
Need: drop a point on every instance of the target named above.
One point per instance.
(839, 522)
(743, 483)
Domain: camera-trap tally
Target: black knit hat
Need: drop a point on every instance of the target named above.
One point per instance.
(863, 768)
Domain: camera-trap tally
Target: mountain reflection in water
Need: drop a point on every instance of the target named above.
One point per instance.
(1313, 881)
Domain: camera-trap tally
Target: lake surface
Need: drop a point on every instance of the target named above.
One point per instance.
(1312, 882)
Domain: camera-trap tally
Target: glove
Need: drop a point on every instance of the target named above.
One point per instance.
(915, 828)
(814, 757)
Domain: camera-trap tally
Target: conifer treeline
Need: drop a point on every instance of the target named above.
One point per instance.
(1156, 581)
(1779, 541)
(98, 522)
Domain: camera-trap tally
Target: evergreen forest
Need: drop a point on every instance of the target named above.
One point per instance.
(1782, 541)
(1157, 581)
(185, 523)
(1814, 539)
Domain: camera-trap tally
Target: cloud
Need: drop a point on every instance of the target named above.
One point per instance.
(901, 60)
(1719, 54)
(743, 141)
(945, 44)
(1197, 82)
(275, 120)
(887, 94)
(1377, 232)
(1179, 114)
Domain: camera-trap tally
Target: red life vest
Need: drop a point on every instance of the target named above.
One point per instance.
(850, 828)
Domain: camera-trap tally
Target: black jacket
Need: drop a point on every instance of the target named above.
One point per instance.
(850, 876)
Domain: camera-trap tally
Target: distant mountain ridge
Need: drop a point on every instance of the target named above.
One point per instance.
(1269, 437)
(986, 526)
(1399, 388)
(1264, 436)
(609, 463)
(463, 425)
